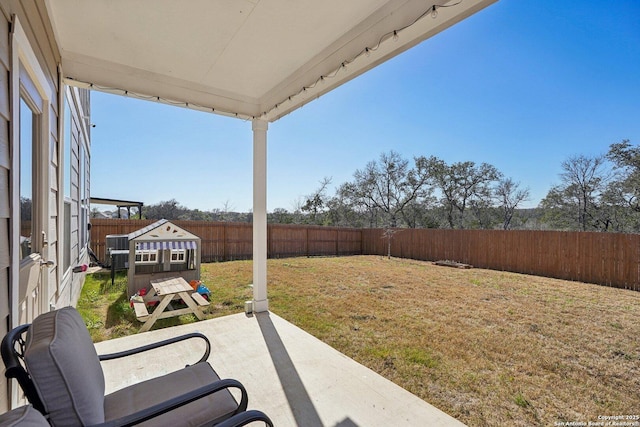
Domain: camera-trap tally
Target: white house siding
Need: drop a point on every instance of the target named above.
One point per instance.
(70, 284)
(5, 164)
(62, 287)
(52, 209)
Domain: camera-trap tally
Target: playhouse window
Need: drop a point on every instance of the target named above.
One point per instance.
(178, 255)
(146, 257)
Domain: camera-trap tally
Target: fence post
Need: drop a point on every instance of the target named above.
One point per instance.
(224, 241)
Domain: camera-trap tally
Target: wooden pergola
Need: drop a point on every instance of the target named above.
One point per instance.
(118, 204)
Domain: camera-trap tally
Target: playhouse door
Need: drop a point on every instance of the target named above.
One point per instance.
(166, 259)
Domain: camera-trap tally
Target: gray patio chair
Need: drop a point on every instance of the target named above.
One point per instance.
(59, 371)
(24, 416)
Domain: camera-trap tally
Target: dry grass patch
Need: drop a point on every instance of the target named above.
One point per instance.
(489, 348)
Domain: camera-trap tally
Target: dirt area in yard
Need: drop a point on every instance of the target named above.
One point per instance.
(490, 348)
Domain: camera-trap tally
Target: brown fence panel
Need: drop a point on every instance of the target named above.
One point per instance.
(322, 241)
(238, 241)
(372, 242)
(610, 259)
(296, 240)
(226, 241)
(349, 241)
(212, 242)
(287, 241)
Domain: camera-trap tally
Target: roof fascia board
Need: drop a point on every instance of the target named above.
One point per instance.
(119, 79)
(114, 202)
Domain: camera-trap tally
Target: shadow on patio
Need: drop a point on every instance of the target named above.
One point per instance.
(290, 375)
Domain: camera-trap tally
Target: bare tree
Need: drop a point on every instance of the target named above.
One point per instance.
(296, 211)
(584, 179)
(316, 202)
(388, 234)
(227, 211)
(576, 203)
(389, 186)
(356, 200)
(510, 195)
(26, 208)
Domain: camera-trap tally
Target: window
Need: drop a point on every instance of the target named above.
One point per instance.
(146, 257)
(67, 161)
(27, 142)
(67, 147)
(178, 256)
(83, 200)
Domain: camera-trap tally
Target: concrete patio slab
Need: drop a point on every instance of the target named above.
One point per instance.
(293, 377)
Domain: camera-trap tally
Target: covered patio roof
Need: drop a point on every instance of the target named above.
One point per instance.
(253, 59)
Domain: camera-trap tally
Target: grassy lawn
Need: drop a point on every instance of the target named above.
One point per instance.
(487, 347)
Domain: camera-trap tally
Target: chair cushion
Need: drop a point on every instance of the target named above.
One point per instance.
(24, 416)
(64, 366)
(206, 411)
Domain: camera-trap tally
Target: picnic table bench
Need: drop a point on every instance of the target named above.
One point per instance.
(164, 291)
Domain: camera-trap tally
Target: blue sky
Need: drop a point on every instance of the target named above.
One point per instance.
(521, 85)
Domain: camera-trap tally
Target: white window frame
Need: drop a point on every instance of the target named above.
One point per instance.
(83, 200)
(65, 167)
(151, 256)
(180, 254)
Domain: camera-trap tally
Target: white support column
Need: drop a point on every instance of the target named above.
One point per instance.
(260, 301)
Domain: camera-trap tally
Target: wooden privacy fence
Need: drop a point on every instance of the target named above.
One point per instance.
(610, 259)
(227, 241)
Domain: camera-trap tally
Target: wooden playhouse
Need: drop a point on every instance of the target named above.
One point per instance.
(161, 250)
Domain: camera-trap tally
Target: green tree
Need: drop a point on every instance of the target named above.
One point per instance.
(170, 210)
(280, 216)
(626, 160)
(316, 203)
(462, 185)
(558, 209)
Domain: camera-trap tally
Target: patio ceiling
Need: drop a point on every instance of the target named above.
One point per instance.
(257, 59)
